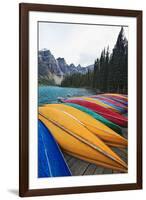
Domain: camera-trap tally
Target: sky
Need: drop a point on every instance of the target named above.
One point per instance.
(78, 44)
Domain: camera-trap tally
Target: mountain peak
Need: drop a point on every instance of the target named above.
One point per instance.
(79, 66)
(61, 61)
(45, 52)
(48, 66)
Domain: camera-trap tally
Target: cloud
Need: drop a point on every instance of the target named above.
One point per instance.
(78, 44)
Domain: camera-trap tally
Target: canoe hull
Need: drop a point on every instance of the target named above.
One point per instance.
(95, 126)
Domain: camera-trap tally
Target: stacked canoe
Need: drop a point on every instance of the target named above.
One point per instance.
(85, 127)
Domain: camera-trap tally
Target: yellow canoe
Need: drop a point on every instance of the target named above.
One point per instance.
(109, 136)
(76, 139)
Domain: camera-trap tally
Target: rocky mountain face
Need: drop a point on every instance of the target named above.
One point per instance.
(53, 71)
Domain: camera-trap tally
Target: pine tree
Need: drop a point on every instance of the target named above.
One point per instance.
(102, 70)
(106, 71)
(117, 77)
(94, 83)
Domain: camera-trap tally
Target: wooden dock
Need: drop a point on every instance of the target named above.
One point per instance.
(80, 167)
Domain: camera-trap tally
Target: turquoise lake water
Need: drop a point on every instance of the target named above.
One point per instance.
(50, 94)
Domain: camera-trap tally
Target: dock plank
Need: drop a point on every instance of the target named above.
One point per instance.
(79, 167)
(71, 162)
(121, 153)
(90, 169)
(66, 156)
(107, 171)
(99, 170)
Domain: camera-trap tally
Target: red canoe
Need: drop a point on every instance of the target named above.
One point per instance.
(105, 112)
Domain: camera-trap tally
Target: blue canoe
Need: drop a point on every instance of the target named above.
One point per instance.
(121, 110)
(51, 162)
